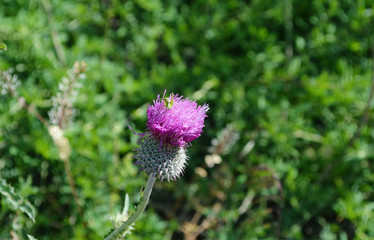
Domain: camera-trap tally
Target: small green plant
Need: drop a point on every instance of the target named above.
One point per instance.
(162, 151)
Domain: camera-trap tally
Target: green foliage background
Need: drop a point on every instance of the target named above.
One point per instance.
(292, 77)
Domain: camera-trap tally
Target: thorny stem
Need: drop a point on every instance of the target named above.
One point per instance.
(147, 193)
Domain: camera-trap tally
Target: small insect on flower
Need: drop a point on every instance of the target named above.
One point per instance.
(3, 46)
(169, 101)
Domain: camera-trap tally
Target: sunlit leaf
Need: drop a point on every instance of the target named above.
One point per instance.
(31, 237)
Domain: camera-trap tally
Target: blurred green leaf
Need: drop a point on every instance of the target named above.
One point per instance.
(16, 201)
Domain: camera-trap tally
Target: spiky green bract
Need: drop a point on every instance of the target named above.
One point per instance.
(162, 160)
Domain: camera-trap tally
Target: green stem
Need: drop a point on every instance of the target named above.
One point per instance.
(136, 214)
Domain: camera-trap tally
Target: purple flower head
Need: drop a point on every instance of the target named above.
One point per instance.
(175, 120)
(172, 123)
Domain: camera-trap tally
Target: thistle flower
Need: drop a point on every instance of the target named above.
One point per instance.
(175, 120)
(172, 123)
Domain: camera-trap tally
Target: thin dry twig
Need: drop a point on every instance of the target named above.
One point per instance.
(192, 230)
(8, 84)
(55, 38)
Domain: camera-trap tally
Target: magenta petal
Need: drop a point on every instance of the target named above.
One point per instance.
(181, 123)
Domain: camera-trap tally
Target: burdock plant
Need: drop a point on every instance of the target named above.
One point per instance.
(173, 122)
